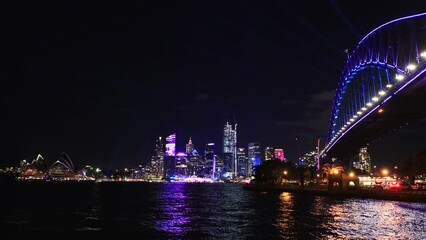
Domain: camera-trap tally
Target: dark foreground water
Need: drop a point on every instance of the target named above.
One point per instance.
(197, 211)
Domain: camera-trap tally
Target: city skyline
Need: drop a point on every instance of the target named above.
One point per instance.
(102, 83)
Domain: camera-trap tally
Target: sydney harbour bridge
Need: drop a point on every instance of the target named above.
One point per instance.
(381, 88)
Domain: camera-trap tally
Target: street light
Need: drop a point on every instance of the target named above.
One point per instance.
(385, 172)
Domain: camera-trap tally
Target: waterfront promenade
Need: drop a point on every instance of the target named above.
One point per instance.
(401, 195)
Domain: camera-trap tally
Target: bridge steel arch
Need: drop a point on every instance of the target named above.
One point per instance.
(385, 63)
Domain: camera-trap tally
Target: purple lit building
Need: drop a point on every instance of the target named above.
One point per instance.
(170, 156)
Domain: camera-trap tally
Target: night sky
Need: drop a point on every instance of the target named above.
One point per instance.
(101, 81)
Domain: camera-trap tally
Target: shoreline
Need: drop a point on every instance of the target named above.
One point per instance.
(403, 196)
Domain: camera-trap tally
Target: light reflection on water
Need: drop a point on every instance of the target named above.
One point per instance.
(201, 211)
(351, 218)
(173, 210)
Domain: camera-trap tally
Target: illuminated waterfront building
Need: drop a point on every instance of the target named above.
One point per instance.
(170, 156)
(254, 154)
(157, 160)
(40, 164)
(195, 163)
(219, 165)
(279, 154)
(309, 159)
(189, 147)
(364, 163)
(269, 153)
(181, 164)
(209, 168)
(242, 161)
(230, 150)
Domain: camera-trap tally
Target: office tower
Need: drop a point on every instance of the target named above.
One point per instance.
(364, 163)
(157, 161)
(269, 153)
(279, 154)
(230, 150)
(181, 164)
(242, 161)
(169, 156)
(209, 167)
(253, 156)
(189, 147)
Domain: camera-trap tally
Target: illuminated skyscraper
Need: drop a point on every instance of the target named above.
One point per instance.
(181, 164)
(364, 163)
(209, 169)
(279, 154)
(189, 147)
(230, 149)
(170, 156)
(253, 156)
(242, 161)
(157, 161)
(269, 153)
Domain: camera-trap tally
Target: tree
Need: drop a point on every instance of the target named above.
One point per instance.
(330, 168)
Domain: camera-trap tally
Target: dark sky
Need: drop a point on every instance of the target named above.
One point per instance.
(101, 81)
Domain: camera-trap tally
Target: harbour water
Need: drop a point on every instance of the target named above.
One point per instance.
(120, 210)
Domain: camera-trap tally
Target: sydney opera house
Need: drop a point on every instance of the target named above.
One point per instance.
(61, 170)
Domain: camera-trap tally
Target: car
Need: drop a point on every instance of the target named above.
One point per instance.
(392, 186)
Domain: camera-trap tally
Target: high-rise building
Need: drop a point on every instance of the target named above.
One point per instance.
(219, 165)
(209, 169)
(157, 160)
(230, 149)
(242, 161)
(269, 153)
(170, 156)
(364, 163)
(279, 154)
(181, 164)
(189, 147)
(254, 154)
(309, 159)
(195, 163)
